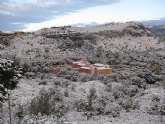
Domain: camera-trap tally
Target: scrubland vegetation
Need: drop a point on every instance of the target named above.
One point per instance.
(133, 92)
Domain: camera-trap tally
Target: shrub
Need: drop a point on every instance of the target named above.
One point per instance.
(127, 104)
(20, 112)
(118, 91)
(41, 104)
(5, 40)
(112, 109)
(81, 105)
(141, 83)
(66, 93)
(48, 103)
(131, 90)
(150, 79)
(57, 82)
(64, 83)
(42, 83)
(155, 67)
(135, 104)
(68, 73)
(93, 105)
(73, 76)
(162, 108)
(157, 106)
(92, 95)
(25, 68)
(86, 78)
(108, 87)
(98, 105)
(123, 90)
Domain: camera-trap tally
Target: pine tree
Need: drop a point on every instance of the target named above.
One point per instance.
(9, 75)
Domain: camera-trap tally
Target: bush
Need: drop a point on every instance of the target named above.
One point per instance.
(98, 105)
(69, 73)
(81, 105)
(162, 108)
(131, 90)
(118, 92)
(155, 67)
(130, 104)
(157, 106)
(127, 104)
(92, 95)
(149, 79)
(123, 90)
(108, 87)
(6, 40)
(66, 93)
(93, 105)
(20, 112)
(25, 68)
(48, 103)
(73, 76)
(61, 82)
(41, 104)
(135, 104)
(86, 78)
(112, 109)
(42, 83)
(141, 83)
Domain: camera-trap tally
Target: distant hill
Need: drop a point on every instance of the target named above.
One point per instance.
(154, 22)
(158, 30)
(156, 26)
(148, 23)
(85, 24)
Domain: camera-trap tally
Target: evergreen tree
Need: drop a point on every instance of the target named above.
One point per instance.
(9, 75)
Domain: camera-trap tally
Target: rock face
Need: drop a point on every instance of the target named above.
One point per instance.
(135, 55)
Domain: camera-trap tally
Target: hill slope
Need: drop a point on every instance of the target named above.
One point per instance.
(134, 93)
(57, 43)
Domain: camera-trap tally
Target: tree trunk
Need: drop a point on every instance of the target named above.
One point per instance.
(1, 116)
(9, 107)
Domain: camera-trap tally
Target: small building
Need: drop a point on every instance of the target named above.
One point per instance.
(98, 69)
(101, 65)
(89, 69)
(86, 70)
(80, 64)
(103, 70)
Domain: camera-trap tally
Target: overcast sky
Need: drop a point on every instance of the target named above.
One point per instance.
(30, 15)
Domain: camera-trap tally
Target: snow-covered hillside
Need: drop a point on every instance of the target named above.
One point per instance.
(55, 44)
(134, 93)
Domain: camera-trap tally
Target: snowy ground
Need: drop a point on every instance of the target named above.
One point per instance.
(131, 55)
(29, 88)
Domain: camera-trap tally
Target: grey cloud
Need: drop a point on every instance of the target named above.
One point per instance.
(11, 27)
(29, 11)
